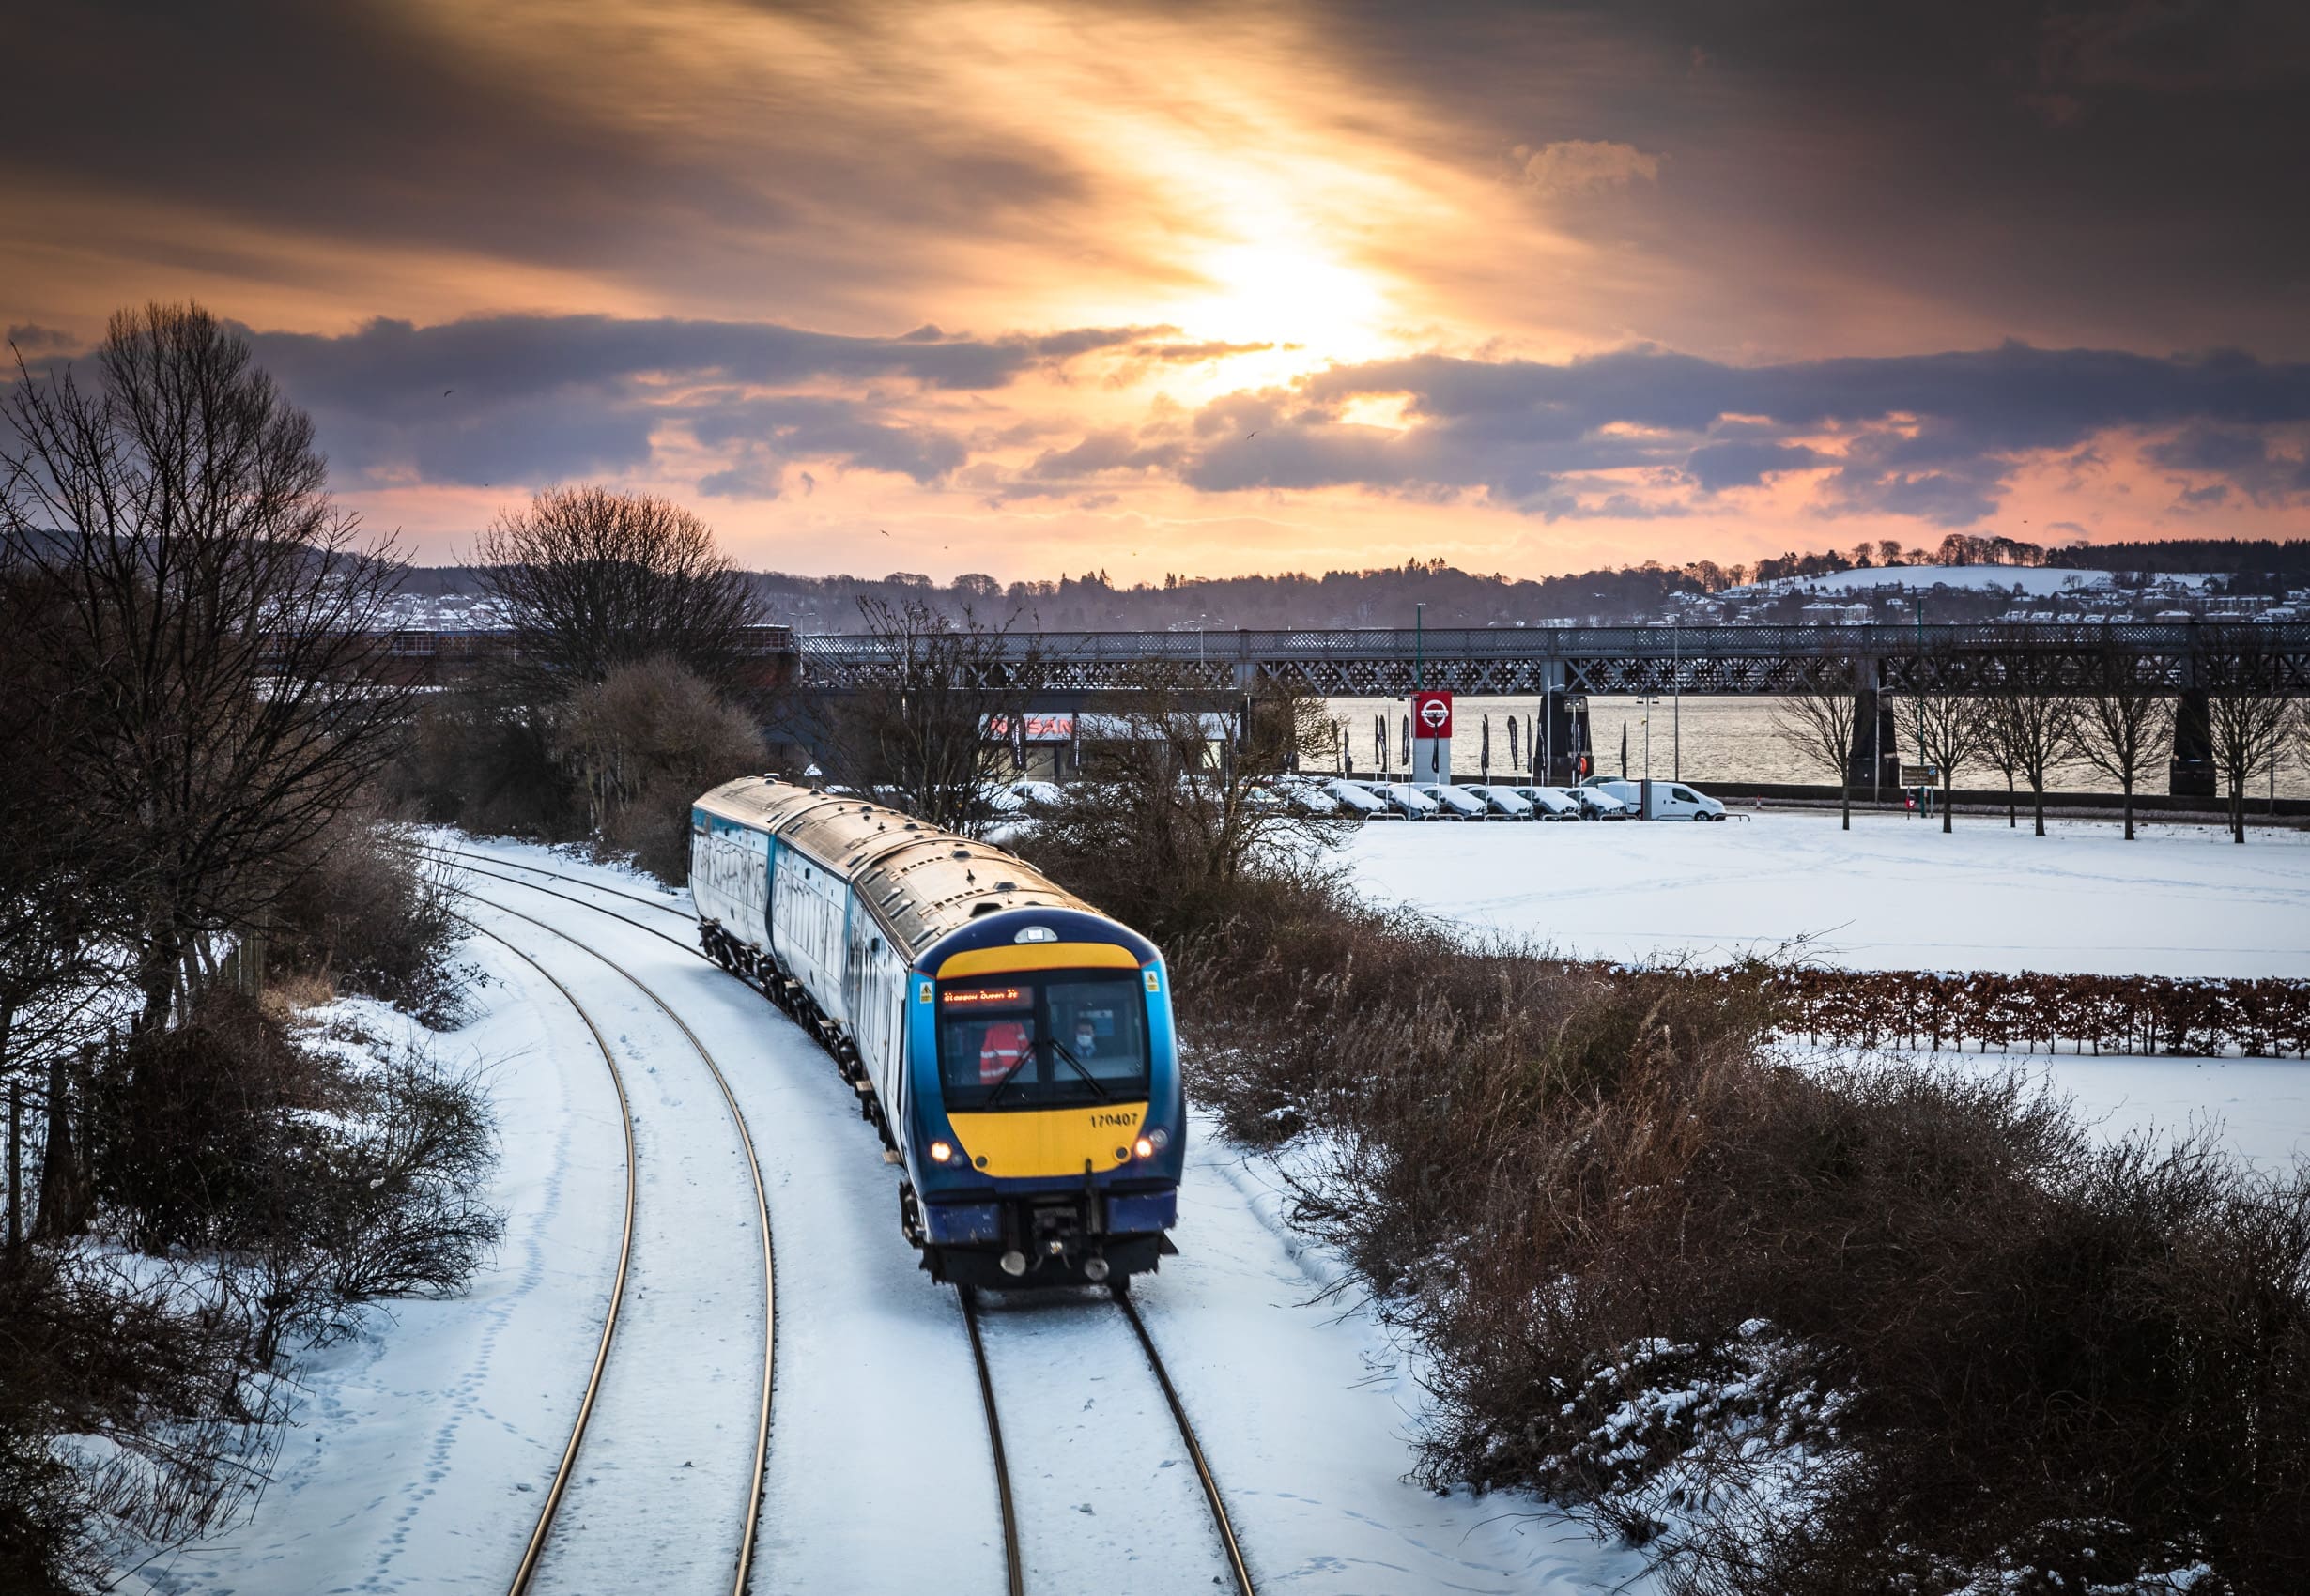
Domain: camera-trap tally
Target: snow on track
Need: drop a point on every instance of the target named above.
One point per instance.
(880, 1477)
(660, 1495)
(1107, 1497)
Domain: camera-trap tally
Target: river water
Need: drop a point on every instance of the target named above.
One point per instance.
(1701, 739)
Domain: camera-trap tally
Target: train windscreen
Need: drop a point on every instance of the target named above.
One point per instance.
(1039, 1041)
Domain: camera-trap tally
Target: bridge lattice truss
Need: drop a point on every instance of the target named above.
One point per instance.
(1624, 660)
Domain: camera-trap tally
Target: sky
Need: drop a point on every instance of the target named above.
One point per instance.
(1020, 289)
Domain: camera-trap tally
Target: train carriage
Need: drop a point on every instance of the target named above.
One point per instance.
(1013, 1045)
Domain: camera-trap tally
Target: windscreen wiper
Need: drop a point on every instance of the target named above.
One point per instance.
(1076, 1065)
(996, 1090)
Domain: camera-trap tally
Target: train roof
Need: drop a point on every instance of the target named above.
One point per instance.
(920, 883)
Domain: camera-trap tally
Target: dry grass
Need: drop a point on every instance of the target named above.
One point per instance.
(1798, 1330)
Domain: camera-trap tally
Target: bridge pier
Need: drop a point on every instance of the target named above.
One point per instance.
(2190, 772)
(1873, 762)
(1564, 739)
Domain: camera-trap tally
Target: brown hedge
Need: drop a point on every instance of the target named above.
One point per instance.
(2033, 1011)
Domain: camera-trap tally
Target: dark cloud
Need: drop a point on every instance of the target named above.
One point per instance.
(1936, 437)
(518, 399)
(844, 432)
(30, 338)
(2093, 171)
(2244, 458)
(1717, 465)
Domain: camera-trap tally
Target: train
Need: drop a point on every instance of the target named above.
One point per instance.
(1013, 1047)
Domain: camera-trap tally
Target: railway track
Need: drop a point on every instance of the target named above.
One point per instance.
(535, 1554)
(1014, 1556)
(554, 1492)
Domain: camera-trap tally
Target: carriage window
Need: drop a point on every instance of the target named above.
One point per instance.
(1044, 1041)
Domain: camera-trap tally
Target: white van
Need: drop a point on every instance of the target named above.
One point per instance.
(1671, 800)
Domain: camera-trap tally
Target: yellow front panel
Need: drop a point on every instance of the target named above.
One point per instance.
(1039, 955)
(1030, 1143)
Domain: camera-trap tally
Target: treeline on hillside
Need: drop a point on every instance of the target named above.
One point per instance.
(191, 850)
(1380, 597)
(1873, 1326)
(1091, 601)
(2288, 561)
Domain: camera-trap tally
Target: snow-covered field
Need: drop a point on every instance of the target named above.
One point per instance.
(402, 1473)
(1893, 892)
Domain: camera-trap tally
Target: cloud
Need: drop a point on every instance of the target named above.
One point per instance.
(518, 399)
(1577, 166)
(1718, 465)
(1934, 437)
(1211, 349)
(30, 338)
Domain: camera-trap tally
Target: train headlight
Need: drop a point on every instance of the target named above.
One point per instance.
(942, 1152)
(1144, 1146)
(1158, 1138)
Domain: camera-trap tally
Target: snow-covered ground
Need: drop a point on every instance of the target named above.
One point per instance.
(411, 1442)
(2259, 1107)
(1893, 892)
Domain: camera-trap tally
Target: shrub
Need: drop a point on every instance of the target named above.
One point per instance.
(1876, 1327)
(323, 1184)
(642, 744)
(364, 910)
(480, 754)
(123, 1398)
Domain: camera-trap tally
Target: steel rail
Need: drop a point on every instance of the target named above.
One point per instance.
(552, 1503)
(444, 850)
(1227, 1542)
(761, 1210)
(1014, 1564)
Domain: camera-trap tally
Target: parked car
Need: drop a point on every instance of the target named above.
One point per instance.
(1600, 804)
(1405, 799)
(1456, 803)
(1038, 794)
(1671, 800)
(1358, 799)
(1505, 802)
(1307, 795)
(1553, 803)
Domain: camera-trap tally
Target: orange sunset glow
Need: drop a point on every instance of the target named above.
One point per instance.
(1022, 289)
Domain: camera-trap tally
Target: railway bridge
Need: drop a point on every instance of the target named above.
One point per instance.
(1562, 665)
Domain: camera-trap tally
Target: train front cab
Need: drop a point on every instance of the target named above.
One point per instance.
(1049, 1132)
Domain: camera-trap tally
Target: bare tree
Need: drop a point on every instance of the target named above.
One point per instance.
(1817, 724)
(1176, 812)
(930, 717)
(1943, 722)
(591, 579)
(2123, 722)
(2247, 710)
(2026, 725)
(220, 606)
